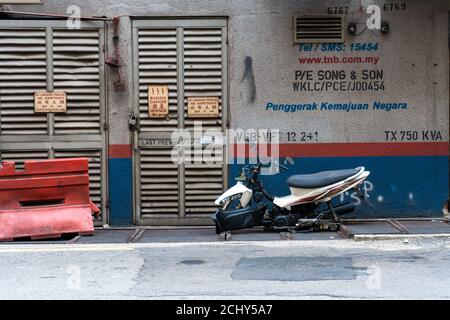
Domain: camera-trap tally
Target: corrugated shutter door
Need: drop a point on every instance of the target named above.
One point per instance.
(76, 55)
(157, 54)
(22, 72)
(95, 170)
(159, 181)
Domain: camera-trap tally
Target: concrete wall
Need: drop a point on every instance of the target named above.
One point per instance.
(406, 148)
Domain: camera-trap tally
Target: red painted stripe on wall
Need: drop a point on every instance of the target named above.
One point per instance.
(364, 149)
(359, 149)
(119, 151)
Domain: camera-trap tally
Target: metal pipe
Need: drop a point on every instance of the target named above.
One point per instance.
(362, 220)
(54, 15)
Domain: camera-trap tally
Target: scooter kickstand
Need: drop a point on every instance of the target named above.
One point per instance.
(336, 218)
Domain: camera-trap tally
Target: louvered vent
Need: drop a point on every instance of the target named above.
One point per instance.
(193, 56)
(202, 77)
(203, 180)
(22, 72)
(203, 69)
(76, 71)
(20, 156)
(95, 170)
(316, 29)
(157, 65)
(159, 182)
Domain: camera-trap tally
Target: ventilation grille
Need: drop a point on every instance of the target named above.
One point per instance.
(203, 69)
(316, 29)
(159, 182)
(95, 171)
(22, 72)
(203, 180)
(20, 156)
(77, 72)
(157, 65)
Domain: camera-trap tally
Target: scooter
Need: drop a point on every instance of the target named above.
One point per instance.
(308, 208)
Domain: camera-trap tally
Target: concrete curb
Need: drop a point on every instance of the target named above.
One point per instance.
(370, 237)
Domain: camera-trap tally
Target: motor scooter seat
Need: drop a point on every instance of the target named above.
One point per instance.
(320, 179)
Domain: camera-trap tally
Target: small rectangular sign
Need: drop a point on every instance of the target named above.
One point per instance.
(182, 142)
(158, 101)
(20, 1)
(203, 107)
(50, 101)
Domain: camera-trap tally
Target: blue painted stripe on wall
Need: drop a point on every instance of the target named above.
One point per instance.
(407, 186)
(120, 191)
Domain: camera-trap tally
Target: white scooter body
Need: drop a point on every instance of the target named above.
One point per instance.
(321, 194)
(239, 208)
(238, 191)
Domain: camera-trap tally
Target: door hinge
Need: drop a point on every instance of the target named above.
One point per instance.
(105, 126)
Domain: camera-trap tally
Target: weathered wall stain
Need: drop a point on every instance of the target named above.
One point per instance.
(249, 80)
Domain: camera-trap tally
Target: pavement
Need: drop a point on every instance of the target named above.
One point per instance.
(198, 264)
(358, 230)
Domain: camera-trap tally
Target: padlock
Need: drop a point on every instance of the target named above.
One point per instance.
(132, 121)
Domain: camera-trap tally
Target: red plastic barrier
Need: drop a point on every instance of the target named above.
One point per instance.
(46, 199)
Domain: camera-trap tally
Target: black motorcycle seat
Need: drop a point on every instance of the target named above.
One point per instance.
(320, 179)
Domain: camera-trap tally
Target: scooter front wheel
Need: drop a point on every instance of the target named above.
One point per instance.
(218, 229)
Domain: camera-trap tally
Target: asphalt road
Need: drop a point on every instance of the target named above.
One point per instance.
(336, 269)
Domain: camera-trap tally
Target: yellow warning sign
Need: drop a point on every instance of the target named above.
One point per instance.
(158, 101)
(203, 107)
(50, 101)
